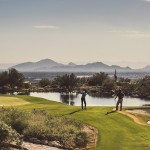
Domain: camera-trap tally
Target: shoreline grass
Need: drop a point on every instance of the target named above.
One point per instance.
(116, 131)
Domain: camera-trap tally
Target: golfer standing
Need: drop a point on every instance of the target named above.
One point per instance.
(120, 96)
(83, 99)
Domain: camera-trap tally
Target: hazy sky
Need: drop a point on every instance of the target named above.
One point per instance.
(81, 31)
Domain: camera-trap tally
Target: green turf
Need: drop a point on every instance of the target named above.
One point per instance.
(12, 101)
(116, 131)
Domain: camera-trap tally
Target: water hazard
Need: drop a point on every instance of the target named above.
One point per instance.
(74, 99)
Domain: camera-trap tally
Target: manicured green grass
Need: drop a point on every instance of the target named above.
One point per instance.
(13, 101)
(116, 131)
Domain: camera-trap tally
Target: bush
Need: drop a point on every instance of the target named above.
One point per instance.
(15, 118)
(8, 135)
(81, 139)
(37, 131)
(42, 126)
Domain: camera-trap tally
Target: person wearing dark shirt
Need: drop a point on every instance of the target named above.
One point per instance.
(83, 99)
(120, 96)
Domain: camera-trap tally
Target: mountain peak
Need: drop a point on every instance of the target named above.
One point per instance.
(30, 66)
(48, 62)
(45, 60)
(71, 64)
(127, 67)
(97, 64)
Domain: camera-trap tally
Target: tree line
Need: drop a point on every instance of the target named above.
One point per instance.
(12, 81)
(101, 83)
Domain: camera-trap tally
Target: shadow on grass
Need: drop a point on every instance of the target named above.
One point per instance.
(110, 112)
(73, 112)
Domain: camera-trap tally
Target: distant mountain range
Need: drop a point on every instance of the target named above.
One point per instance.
(48, 65)
(145, 69)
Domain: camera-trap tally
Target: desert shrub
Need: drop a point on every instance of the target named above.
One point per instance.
(8, 135)
(81, 139)
(15, 118)
(37, 131)
(67, 140)
(44, 126)
(41, 125)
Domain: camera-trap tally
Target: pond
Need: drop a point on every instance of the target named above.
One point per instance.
(74, 99)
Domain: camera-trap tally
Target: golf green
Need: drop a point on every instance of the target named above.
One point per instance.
(11, 101)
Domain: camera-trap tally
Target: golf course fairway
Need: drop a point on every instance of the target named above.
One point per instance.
(115, 131)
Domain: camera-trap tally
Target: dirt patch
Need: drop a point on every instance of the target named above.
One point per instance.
(132, 114)
(31, 146)
(135, 118)
(92, 133)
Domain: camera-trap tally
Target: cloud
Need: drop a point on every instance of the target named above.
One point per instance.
(46, 27)
(147, 0)
(132, 33)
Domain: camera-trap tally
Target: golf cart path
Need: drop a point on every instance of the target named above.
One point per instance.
(130, 113)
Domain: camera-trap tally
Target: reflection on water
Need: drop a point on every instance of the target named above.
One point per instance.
(67, 98)
(75, 99)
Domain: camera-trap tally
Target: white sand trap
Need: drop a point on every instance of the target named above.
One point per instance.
(140, 111)
(12, 101)
(148, 122)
